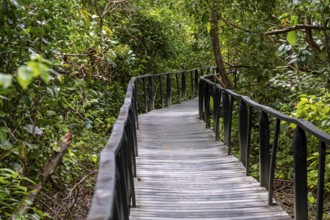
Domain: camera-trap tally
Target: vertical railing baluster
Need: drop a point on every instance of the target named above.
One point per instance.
(273, 162)
(168, 90)
(201, 99)
(192, 85)
(136, 115)
(227, 119)
(264, 149)
(119, 210)
(151, 94)
(178, 87)
(136, 150)
(122, 184)
(320, 181)
(161, 91)
(243, 131)
(300, 174)
(127, 168)
(131, 171)
(183, 85)
(212, 109)
(116, 207)
(145, 95)
(216, 109)
(196, 81)
(207, 105)
(248, 144)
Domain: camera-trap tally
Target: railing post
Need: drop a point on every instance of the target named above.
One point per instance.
(145, 95)
(183, 85)
(243, 131)
(300, 174)
(192, 84)
(201, 99)
(196, 81)
(227, 118)
(136, 115)
(168, 90)
(273, 162)
(130, 159)
(216, 109)
(122, 184)
(264, 149)
(151, 94)
(248, 144)
(178, 86)
(207, 105)
(320, 182)
(161, 90)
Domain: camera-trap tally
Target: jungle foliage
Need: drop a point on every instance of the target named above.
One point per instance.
(65, 65)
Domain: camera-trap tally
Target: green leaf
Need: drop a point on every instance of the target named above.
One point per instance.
(208, 27)
(292, 37)
(2, 114)
(60, 78)
(5, 80)
(6, 145)
(25, 76)
(303, 99)
(211, 103)
(281, 48)
(294, 20)
(3, 135)
(311, 198)
(45, 77)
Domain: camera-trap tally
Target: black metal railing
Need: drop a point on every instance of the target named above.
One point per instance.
(223, 105)
(114, 193)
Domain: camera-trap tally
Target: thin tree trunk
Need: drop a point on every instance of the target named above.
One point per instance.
(217, 49)
(45, 174)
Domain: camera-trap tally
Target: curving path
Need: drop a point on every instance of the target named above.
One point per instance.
(184, 174)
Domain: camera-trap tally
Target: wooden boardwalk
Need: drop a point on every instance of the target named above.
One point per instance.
(184, 174)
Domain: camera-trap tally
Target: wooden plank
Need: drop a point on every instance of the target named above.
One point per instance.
(184, 174)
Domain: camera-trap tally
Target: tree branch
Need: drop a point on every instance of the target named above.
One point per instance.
(235, 26)
(45, 174)
(79, 183)
(297, 27)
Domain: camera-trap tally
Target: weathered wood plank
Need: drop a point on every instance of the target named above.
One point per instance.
(184, 174)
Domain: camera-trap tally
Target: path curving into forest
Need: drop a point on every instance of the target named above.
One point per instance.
(184, 174)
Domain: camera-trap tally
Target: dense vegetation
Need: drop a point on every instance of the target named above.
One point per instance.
(65, 64)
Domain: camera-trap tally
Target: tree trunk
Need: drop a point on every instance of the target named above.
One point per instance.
(45, 174)
(217, 49)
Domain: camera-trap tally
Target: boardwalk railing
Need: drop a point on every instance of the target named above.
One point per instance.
(114, 192)
(223, 105)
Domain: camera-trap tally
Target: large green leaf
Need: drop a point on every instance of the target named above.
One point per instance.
(292, 37)
(25, 76)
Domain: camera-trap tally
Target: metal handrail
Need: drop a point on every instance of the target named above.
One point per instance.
(225, 98)
(114, 191)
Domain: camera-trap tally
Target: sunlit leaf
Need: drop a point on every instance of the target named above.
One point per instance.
(25, 76)
(294, 20)
(33, 129)
(5, 80)
(292, 37)
(45, 76)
